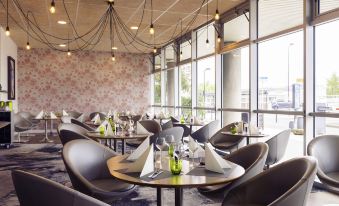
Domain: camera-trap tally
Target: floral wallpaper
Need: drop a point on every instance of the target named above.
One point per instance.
(86, 81)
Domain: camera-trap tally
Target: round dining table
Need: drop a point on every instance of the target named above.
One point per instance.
(118, 136)
(46, 119)
(190, 177)
(247, 135)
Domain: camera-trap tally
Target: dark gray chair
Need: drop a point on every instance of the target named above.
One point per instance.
(66, 119)
(86, 165)
(69, 132)
(251, 157)
(167, 125)
(21, 125)
(151, 126)
(102, 115)
(287, 184)
(225, 142)
(203, 134)
(326, 150)
(177, 133)
(33, 190)
(83, 125)
(187, 130)
(74, 114)
(30, 117)
(277, 145)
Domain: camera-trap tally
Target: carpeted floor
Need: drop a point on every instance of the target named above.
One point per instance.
(45, 160)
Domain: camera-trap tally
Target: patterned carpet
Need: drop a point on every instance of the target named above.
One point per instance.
(45, 160)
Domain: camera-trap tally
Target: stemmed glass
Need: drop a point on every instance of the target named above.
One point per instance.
(160, 143)
(193, 150)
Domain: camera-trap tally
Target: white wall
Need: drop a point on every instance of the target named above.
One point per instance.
(8, 48)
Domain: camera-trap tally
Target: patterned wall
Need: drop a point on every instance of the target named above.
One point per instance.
(86, 81)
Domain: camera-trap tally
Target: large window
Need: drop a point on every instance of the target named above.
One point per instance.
(204, 48)
(328, 5)
(281, 73)
(237, 29)
(170, 57)
(157, 62)
(185, 50)
(157, 88)
(169, 90)
(185, 89)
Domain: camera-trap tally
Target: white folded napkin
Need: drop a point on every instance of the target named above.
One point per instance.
(64, 113)
(109, 113)
(109, 130)
(53, 116)
(40, 115)
(192, 145)
(141, 129)
(139, 151)
(97, 116)
(254, 129)
(213, 161)
(145, 163)
(103, 124)
(81, 118)
(196, 121)
(97, 121)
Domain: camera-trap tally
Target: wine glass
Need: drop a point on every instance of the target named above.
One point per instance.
(160, 143)
(194, 149)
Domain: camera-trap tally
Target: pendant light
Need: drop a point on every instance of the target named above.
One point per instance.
(207, 41)
(52, 8)
(181, 39)
(8, 33)
(151, 28)
(28, 46)
(217, 15)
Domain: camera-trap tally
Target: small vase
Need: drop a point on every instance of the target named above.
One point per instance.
(176, 166)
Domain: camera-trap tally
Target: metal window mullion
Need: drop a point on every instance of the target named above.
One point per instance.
(194, 72)
(176, 89)
(162, 63)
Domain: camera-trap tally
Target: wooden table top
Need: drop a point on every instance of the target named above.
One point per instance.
(190, 177)
(245, 134)
(97, 135)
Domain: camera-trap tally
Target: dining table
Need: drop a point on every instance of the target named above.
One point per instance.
(122, 136)
(192, 176)
(247, 135)
(189, 124)
(46, 119)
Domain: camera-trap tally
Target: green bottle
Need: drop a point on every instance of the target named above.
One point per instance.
(182, 119)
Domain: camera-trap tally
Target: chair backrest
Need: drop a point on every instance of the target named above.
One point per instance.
(219, 137)
(83, 125)
(66, 119)
(177, 133)
(167, 125)
(19, 121)
(325, 150)
(33, 190)
(203, 134)
(102, 115)
(74, 114)
(151, 126)
(136, 118)
(277, 145)
(27, 115)
(173, 119)
(288, 183)
(86, 161)
(69, 132)
(252, 158)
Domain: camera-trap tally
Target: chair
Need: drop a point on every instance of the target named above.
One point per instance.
(102, 115)
(251, 157)
(151, 126)
(167, 125)
(203, 134)
(177, 133)
(33, 190)
(223, 141)
(325, 150)
(85, 162)
(21, 125)
(83, 125)
(69, 132)
(29, 117)
(277, 145)
(66, 119)
(286, 184)
(74, 114)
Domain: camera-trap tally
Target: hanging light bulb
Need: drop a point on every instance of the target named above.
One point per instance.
(151, 29)
(154, 50)
(180, 54)
(69, 53)
(113, 57)
(52, 8)
(28, 47)
(207, 43)
(8, 33)
(217, 15)
(219, 39)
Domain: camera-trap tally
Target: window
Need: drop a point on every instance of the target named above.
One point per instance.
(281, 73)
(169, 87)
(277, 15)
(157, 88)
(157, 62)
(170, 57)
(328, 5)
(185, 88)
(204, 48)
(185, 50)
(230, 117)
(326, 125)
(237, 29)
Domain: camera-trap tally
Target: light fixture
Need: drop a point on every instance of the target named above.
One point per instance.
(207, 43)
(180, 54)
(52, 8)
(113, 57)
(151, 29)
(62, 45)
(134, 27)
(154, 50)
(114, 48)
(28, 47)
(219, 39)
(217, 15)
(7, 27)
(69, 53)
(62, 22)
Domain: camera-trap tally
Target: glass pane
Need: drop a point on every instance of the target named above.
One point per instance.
(206, 115)
(170, 57)
(186, 50)
(273, 124)
(185, 85)
(326, 125)
(281, 73)
(236, 79)
(157, 62)
(206, 83)
(202, 35)
(169, 87)
(157, 88)
(236, 30)
(277, 15)
(328, 5)
(186, 113)
(230, 117)
(327, 67)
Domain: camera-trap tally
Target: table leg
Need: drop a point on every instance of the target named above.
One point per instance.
(123, 146)
(247, 140)
(51, 128)
(45, 139)
(191, 129)
(159, 196)
(178, 196)
(115, 145)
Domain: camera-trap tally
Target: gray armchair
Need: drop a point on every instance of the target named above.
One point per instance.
(85, 162)
(33, 190)
(83, 125)
(325, 150)
(203, 134)
(167, 125)
(102, 115)
(286, 184)
(29, 117)
(21, 125)
(225, 142)
(251, 157)
(66, 119)
(187, 130)
(277, 145)
(151, 126)
(74, 114)
(177, 133)
(69, 132)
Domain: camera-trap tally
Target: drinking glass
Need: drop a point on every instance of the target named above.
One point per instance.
(175, 165)
(193, 150)
(170, 141)
(160, 143)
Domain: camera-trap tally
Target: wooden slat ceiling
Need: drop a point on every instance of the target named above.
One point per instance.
(86, 13)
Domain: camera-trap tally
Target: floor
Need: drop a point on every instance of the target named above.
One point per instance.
(45, 160)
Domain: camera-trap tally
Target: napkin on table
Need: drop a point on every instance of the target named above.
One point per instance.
(109, 129)
(81, 118)
(103, 124)
(192, 144)
(145, 163)
(139, 151)
(97, 121)
(53, 116)
(40, 115)
(213, 161)
(141, 129)
(64, 113)
(95, 118)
